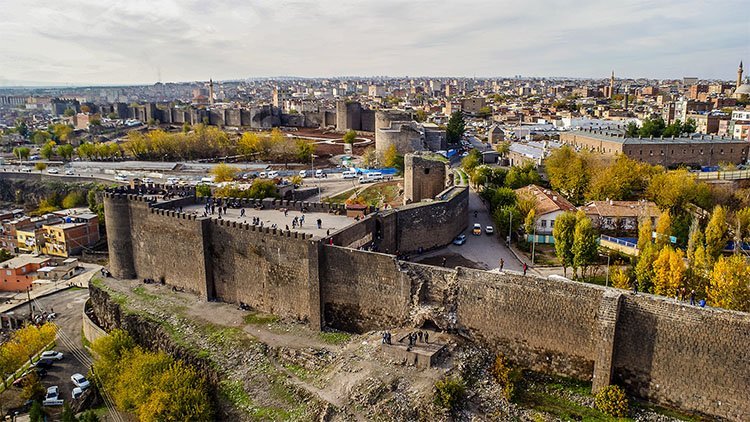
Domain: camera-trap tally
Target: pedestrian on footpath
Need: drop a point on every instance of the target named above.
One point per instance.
(525, 267)
(502, 264)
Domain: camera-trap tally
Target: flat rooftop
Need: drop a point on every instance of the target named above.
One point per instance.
(22, 260)
(329, 222)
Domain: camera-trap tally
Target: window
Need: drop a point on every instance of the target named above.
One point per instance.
(426, 171)
(552, 224)
(8, 272)
(544, 223)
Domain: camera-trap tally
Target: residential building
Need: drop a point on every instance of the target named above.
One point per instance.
(620, 216)
(549, 205)
(20, 272)
(71, 236)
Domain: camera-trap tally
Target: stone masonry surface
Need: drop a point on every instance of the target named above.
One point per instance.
(688, 357)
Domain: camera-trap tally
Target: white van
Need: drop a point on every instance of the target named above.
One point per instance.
(375, 176)
(318, 173)
(207, 180)
(273, 174)
(303, 173)
(349, 174)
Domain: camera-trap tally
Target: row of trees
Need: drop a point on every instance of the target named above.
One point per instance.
(658, 128)
(151, 385)
(22, 345)
(665, 269)
(210, 142)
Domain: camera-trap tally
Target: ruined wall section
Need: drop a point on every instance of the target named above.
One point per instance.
(684, 356)
(271, 270)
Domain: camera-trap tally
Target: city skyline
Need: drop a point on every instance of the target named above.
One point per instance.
(141, 42)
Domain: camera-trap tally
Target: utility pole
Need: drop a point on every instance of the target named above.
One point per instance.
(510, 227)
(31, 307)
(533, 245)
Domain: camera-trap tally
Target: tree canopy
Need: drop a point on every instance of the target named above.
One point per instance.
(455, 128)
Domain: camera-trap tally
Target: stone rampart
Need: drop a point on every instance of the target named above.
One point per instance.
(688, 357)
(443, 219)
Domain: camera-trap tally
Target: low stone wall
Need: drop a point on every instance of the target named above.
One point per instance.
(91, 331)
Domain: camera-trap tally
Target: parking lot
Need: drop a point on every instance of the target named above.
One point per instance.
(68, 305)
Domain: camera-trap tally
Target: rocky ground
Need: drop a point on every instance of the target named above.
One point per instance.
(281, 370)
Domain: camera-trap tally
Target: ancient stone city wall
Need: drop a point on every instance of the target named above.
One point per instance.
(687, 357)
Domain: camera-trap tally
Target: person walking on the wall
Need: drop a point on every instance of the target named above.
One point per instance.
(502, 264)
(525, 267)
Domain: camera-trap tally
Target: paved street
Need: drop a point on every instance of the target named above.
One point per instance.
(484, 250)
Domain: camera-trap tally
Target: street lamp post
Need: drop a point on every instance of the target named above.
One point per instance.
(606, 281)
(533, 245)
(510, 226)
(312, 168)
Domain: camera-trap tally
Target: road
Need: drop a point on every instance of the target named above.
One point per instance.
(484, 250)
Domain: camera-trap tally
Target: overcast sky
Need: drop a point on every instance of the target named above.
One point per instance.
(143, 41)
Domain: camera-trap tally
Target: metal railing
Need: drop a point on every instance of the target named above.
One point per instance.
(618, 241)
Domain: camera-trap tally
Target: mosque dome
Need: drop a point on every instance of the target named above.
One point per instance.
(743, 89)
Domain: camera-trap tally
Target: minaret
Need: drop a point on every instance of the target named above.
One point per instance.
(612, 85)
(739, 75)
(211, 91)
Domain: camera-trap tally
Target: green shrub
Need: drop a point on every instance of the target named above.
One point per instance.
(612, 401)
(449, 393)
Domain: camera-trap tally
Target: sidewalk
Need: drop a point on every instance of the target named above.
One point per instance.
(540, 271)
(45, 287)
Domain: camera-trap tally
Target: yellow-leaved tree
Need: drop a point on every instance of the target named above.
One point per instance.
(729, 286)
(620, 279)
(152, 385)
(224, 173)
(669, 271)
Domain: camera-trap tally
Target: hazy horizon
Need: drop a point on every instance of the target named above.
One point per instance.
(89, 43)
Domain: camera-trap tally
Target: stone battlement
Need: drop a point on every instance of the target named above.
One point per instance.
(668, 352)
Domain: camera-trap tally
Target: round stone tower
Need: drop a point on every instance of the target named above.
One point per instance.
(117, 222)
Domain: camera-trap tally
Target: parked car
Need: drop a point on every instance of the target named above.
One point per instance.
(26, 169)
(273, 174)
(147, 180)
(53, 171)
(303, 173)
(477, 230)
(69, 172)
(44, 363)
(349, 174)
(489, 230)
(459, 240)
(121, 178)
(77, 392)
(318, 173)
(262, 175)
(53, 397)
(80, 381)
(51, 354)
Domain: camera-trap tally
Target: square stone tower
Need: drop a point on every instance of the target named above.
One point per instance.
(425, 177)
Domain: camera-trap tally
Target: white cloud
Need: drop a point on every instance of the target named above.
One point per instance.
(85, 41)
